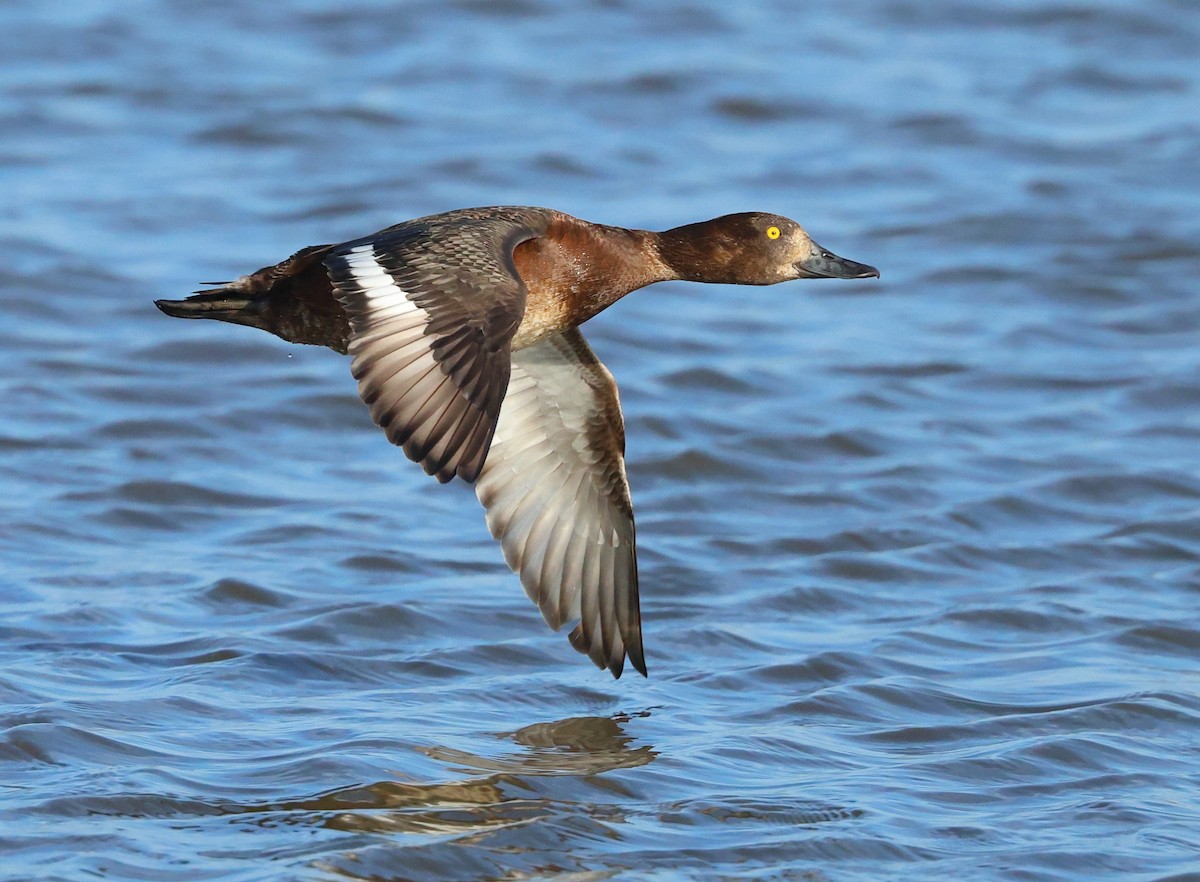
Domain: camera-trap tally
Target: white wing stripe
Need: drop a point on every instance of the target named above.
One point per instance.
(382, 294)
(435, 297)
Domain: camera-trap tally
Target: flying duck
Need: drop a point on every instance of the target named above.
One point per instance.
(463, 332)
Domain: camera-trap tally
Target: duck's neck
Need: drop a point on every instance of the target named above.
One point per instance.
(614, 261)
(631, 259)
(697, 253)
(582, 268)
(576, 269)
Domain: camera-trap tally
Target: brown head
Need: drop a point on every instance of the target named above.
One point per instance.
(752, 248)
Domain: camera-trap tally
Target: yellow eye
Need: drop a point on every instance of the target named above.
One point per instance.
(772, 232)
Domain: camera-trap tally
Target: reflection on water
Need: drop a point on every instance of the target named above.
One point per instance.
(919, 558)
(509, 797)
(505, 794)
(575, 746)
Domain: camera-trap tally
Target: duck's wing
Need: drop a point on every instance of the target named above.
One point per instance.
(433, 305)
(557, 497)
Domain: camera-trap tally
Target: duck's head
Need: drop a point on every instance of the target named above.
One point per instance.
(753, 248)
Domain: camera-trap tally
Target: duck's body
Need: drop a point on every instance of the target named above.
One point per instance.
(451, 316)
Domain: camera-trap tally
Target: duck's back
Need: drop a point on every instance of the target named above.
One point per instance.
(567, 270)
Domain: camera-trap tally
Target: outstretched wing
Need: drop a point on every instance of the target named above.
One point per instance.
(557, 497)
(433, 305)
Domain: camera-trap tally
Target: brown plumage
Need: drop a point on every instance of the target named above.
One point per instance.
(462, 328)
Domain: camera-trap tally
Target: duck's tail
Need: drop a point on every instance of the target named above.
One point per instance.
(226, 304)
(294, 300)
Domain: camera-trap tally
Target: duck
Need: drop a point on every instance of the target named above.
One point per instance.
(463, 333)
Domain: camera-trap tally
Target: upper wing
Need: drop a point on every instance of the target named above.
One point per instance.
(557, 498)
(433, 305)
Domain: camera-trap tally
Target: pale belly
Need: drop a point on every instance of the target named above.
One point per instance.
(544, 317)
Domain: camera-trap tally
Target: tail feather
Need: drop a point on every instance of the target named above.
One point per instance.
(223, 304)
(293, 300)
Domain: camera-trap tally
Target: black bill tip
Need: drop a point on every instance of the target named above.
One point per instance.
(827, 265)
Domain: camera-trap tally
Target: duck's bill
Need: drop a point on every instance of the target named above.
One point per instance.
(825, 265)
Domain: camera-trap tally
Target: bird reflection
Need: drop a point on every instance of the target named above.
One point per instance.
(497, 791)
(574, 746)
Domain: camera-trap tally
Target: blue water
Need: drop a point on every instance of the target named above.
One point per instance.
(920, 556)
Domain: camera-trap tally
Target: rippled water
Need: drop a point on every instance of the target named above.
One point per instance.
(920, 557)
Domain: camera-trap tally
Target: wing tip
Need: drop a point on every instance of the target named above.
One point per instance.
(613, 663)
(638, 660)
